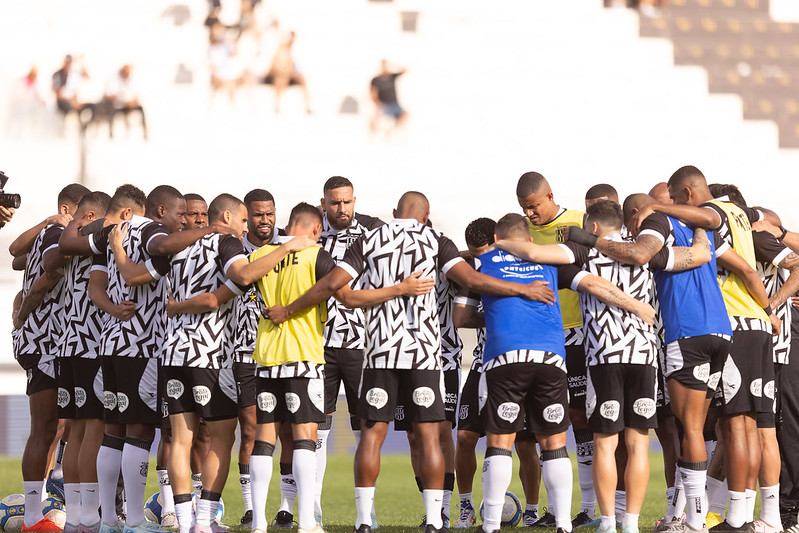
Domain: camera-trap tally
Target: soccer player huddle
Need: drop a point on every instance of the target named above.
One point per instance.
(670, 312)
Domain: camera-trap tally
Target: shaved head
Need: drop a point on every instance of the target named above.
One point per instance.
(532, 183)
(635, 202)
(413, 204)
(660, 192)
(687, 176)
(688, 186)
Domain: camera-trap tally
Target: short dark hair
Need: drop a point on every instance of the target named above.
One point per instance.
(512, 225)
(605, 212)
(726, 189)
(223, 202)
(194, 197)
(601, 190)
(530, 183)
(161, 195)
(258, 195)
(683, 174)
(72, 193)
(337, 182)
(480, 232)
(304, 210)
(127, 196)
(96, 199)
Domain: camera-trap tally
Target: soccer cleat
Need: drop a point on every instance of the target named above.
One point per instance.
(546, 520)
(318, 518)
(431, 529)
(144, 527)
(94, 528)
(215, 527)
(582, 519)
(763, 527)
(55, 486)
(793, 529)
(724, 527)
(466, 516)
(110, 528)
(169, 520)
(561, 530)
(444, 520)
(713, 519)
(529, 518)
(283, 520)
(246, 520)
(45, 524)
(316, 529)
(375, 525)
(363, 528)
(664, 526)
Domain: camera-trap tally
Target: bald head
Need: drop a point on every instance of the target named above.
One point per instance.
(532, 183)
(413, 204)
(660, 192)
(633, 203)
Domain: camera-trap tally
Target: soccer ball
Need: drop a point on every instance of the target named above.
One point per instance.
(12, 512)
(220, 511)
(53, 509)
(152, 508)
(511, 510)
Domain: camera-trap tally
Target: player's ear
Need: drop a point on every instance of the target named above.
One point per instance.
(63, 209)
(322, 203)
(595, 228)
(394, 213)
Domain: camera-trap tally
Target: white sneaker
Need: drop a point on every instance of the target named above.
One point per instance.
(763, 527)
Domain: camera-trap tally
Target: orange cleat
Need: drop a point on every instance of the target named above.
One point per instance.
(45, 524)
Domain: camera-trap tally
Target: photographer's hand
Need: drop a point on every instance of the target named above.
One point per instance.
(6, 213)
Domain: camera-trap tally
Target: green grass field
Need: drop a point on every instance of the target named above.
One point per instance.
(398, 502)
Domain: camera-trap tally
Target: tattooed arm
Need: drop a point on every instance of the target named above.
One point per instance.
(697, 255)
(791, 285)
(609, 293)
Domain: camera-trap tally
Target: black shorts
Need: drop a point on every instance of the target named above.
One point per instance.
(535, 395)
(662, 401)
(130, 390)
(66, 388)
(621, 396)
(470, 403)
(741, 384)
(244, 374)
(696, 362)
(575, 368)
(419, 393)
(292, 400)
(87, 378)
(209, 392)
(769, 398)
(452, 379)
(40, 370)
(342, 365)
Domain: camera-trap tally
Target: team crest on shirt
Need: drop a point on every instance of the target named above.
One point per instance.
(508, 411)
(202, 394)
(554, 413)
(122, 402)
(424, 396)
(80, 396)
(702, 372)
(644, 407)
(768, 390)
(610, 410)
(463, 412)
(174, 388)
(292, 402)
(756, 387)
(109, 399)
(377, 397)
(267, 402)
(63, 397)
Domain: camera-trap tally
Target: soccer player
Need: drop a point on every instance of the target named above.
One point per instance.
(196, 211)
(35, 342)
(547, 220)
(601, 191)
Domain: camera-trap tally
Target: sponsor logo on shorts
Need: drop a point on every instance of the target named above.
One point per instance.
(702, 372)
(756, 387)
(292, 402)
(554, 413)
(80, 396)
(508, 411)
(122, 402)
(713, 380)
(610, 410)
(424, 396)
(63, 397)
(768, 390)
(109, 399)
(174, 388)
(463, 413)
(377, 397)
(266, 402)
(644, 407)
(202, 394)
(399, 413)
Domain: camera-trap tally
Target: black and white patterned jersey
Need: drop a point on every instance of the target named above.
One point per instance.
(295, 369)
(451, 344)
(404, 332)
(82, 320)
(247, 310)
(770, 253)
(143, 334)
(613, 335)
(203, 340)
(344, 328)
(42, 329)
(477, 363)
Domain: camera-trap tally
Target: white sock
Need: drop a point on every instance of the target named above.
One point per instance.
(497, 473)
(770, 505)
(449, 486)
(669, 497)
(72, 503)
(630, 522)
(109, 460)
(714, 487)
(556, 472)
(135, 462)
(184, 513)
(466, 497)
(304, 466)
(677, 504)
(260, 475)
(321, 465)
(751, 496)
(89, 503)
(736, 514)
(694, 484)
(621, 505)
(196, 485)
(244, 483)
(432, 506)
(205, 511)
(34, 491)
(710, 449)
(167, 499)
(607, 522)
(288, 488)
(364, 502)
(585, 459)
(532, 507)
(58, 471)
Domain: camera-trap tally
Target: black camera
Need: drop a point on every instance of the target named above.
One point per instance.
(7, 199)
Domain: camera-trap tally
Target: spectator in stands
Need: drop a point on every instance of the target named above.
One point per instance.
(66, 83)
(227, 72)
(384, 95)
(122, 97)
(26, 109)
(284, 73)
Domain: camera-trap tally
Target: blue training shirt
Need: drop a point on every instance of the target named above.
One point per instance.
(514, 323)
